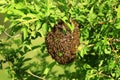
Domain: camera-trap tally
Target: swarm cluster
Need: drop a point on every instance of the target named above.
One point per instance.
(62, 43)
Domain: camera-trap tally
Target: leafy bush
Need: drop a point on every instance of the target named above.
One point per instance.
(23, 53)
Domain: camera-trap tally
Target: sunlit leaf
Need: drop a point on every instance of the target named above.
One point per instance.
(44, 29)
(4, 75)
(25, 32)
(91, 15)
(38, 25)
(118, 12)
(118, 25)
(17, 12)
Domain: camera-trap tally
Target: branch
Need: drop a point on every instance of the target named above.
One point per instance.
(110, 21)
(114, 40)
(102, 74)
(11, 36)
(29, 72)
(111, 40)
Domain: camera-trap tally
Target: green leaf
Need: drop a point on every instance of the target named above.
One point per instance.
(118, 12)
(25, 32)
(2, 28)
(20, 5)
(44, 29)
(81, 46)
(33, 34)
(111, 64)
(6, 19)
(4, 75)
(2, 2)
(48, 68)
(28, 46)
(91, 15)
(118, 25)
(60, 54)
(46, 71)
(38, 25)
(107, 50)
(71, 26)
(17, 12)
(117, 72)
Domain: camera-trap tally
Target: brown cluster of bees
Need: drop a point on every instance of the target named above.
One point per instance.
(62, 43)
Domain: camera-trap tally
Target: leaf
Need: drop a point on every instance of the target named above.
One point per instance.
(46, 71)
(71, 26)
(25, 32)
(28, 46)
(60, 54)
(91, 15)
(80, 47)
(117, 72)
(6, 19)
(111, 64)
(44, 29)
(107, 50)
(118, 12)
(27, 59)
(38, 25)
(81, 18)
(31, 15)
(118, 25)
(2, 2)
(64, 19)
(20, 5)
(17, 12)
(33, 34)
(2, 28)
(83, 52)
(4, 75)
(48, 68)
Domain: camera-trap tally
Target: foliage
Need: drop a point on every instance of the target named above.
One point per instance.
(98, 55)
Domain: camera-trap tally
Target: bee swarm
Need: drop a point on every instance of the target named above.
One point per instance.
(61, 45)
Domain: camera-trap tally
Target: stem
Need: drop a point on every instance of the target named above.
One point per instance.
(111, 43)
(110, 21)
(29, 72)
(10, 35)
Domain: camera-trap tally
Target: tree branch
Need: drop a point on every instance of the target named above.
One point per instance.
(29, 72)
(10, 35)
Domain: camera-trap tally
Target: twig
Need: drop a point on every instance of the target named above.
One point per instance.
(102, 74)
(111, 43)
(110, 21)
(29, 72)
(114, 40)
(11, 36)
